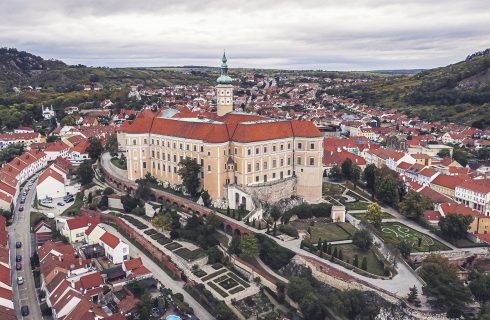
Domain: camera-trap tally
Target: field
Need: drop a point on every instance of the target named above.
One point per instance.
(358, 205)
(332, 189)
(394, 233)
(326, 231)
(374, 266)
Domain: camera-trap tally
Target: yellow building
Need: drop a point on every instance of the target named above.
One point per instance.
(242, 156)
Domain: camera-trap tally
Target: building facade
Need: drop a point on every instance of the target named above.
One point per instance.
(235, 150)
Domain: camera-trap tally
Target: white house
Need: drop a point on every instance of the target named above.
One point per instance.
(74, 229)
(55, 150)
(115, 250)
(93, 234)
(474, 194)
(51, 184)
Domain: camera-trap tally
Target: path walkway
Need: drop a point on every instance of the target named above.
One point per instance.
(163, 277)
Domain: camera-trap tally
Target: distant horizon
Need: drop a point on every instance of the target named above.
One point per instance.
(354, 35)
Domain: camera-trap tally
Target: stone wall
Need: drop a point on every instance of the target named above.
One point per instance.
(272, 192)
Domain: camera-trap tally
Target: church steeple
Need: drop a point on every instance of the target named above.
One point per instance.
(224, 78)
(224, 89)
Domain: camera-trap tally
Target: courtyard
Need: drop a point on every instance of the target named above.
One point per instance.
(334, 231)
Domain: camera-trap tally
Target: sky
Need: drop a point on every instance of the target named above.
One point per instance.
(306, 34)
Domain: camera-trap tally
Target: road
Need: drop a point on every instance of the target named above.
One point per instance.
(20, 231)
(163, 277)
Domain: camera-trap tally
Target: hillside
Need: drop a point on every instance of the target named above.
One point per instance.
(20, 68)
(459, 92)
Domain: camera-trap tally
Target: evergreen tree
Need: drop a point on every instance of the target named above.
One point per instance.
(364, 264)
(341, 256)
(335, 252)
(356, 261)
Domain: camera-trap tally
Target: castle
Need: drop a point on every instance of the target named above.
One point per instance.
(243, 157)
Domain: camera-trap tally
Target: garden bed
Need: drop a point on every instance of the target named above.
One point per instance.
(395, 233)
(349, 251)
(217, 289)
(199, 273)
(173, 245)
(238, 279)
(228, 283)
(326, 231)
(214, 274)
(190, 255)
(358, 205)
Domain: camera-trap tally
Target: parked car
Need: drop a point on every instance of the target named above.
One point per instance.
(61, 204)
(22, 200)
(21, 208)
(20, 280)
(18, 244)
(24, 310)
(18, 266)
(69, 200)
(50, 215)
(18, 258)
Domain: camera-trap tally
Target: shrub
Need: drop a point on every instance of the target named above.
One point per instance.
(108, 191)
(289, 230)
(305, 211)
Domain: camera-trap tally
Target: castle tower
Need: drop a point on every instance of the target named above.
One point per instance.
(224, 90)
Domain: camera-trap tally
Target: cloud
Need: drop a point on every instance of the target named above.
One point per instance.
(334, 35)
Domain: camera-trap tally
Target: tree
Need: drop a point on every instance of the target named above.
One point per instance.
(85, 173)
(461, 155)
(108, 191)
(67, 121)
(414, 204)
(405, 248)
(223, 312)
(355, 262)
(112, 145)
(444, 153)
(480, 284)
(364, 264)
(413, 296)
(103, 203)
(249, 246)
(234, 247)
(445, 290)
(347, 168)
(144, 306)
(355, 175)
(362, 239)
(94, 149)
(53, 138)
(158, 221)
(455, 226)
(143, 191)
(129, 203)
(189, 171)
(335, 173)
(275, 212)
(374, 214)
(206, 198)
(370, 176)
(388, 189)
(353, 303)
(10, 152)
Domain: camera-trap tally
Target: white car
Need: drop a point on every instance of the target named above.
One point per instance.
(50, 215)
(20, 280)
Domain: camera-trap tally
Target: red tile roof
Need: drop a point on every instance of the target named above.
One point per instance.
(110, 239)
(91, 281)
(50, 173)
(459, 208)
(133, 263)
(446, 181)
(479, 186)
(4, 275)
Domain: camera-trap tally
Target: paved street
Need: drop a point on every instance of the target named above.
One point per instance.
(164, 278)
(20, 231)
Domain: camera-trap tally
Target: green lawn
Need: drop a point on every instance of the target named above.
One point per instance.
(360, 215)
(395, 232)
(327, 231)
(118, 163)
(75, 207)
(358, 205)
(332, 189)
(374, 266)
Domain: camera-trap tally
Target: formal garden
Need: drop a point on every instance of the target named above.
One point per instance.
(222, 280)
(332, 231)
(396, 233)
(351, 253)
(258, 306)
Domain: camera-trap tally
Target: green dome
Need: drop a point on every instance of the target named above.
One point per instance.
(224, 78)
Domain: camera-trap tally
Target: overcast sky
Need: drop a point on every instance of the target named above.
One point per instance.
(299, 34)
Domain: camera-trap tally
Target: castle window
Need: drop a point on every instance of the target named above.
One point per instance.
(257, 166)
(168, 144)
(202, 162)
(281, 162)
(265, 149)
(300, 145)
(153, 153)
(274, 163)
(175, 169)
(144, 164)
(289, 161)
(175, 145)
(202, 149)
(134, 142)
(209, 153)
(289, 172)
(195, 148)
(282, 147)
(236, 150)
(257, 150)
(312, 146)
(289, 146)
(209, 168)
(256, 178)
(273, 175)
(312, 161)
(181, 146)
(175, 158)
(144, 141)
(158, 167)
(152, 141)
(298, 161)
(158, 155)
(249, 152)
(265, 178)
(227, 92)
(265, 165)
(249, 167)
(158, 142)
(274, 148)
(187, 147)
(153, 165)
